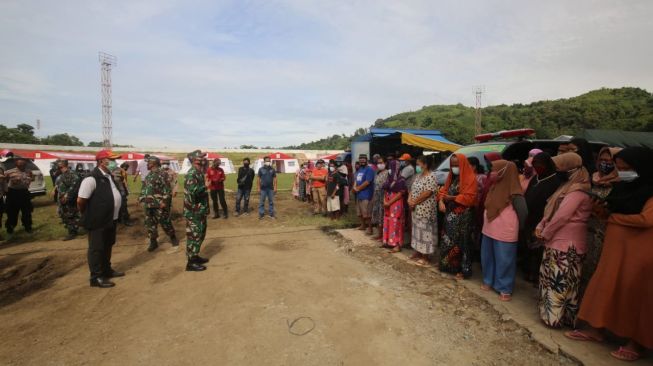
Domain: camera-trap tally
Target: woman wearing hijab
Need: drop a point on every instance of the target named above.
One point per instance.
(602, 181)
(619, 297)
(582, 147)
(423, 204)
(458, 198)
(563, 230)
(505, 214)
(378, 211)
(545, 182)
(393, 220)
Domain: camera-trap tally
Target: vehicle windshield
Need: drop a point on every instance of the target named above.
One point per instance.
(475, 150)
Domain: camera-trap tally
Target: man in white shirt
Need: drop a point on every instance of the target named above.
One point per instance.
(99, 202)
(141, 169)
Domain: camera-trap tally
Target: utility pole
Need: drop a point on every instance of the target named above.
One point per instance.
(106, 62)
(478, 93)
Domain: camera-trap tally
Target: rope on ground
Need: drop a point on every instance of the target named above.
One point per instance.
(291, 326)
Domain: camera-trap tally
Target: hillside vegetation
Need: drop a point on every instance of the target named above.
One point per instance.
(629, 109)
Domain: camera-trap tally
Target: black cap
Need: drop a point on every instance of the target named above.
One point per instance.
(362, 156)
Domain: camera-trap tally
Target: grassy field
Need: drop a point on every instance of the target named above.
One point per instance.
(47, 224)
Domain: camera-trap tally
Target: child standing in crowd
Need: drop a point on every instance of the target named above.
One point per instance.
(563, 230)
(505, 213)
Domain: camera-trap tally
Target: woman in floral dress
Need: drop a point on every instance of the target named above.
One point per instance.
(422, 201)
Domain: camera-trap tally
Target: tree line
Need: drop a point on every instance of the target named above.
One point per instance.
(627, 109)
(23, 133)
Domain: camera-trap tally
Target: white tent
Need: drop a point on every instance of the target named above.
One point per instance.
(281, 162)
(134, 158)
(226, 164)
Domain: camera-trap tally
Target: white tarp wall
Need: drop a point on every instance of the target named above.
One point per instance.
(281, 166)
(226, 164)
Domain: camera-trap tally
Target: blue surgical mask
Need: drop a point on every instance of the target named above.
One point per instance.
(419, 169)
(455, 170)
(628, 175)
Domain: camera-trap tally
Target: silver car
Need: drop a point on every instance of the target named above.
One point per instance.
(37, 188)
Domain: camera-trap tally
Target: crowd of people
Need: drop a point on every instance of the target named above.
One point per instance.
(578, 224)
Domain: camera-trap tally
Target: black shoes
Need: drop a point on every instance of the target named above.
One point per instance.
(198, 259)
(101, 282)
(194, 267)
(153, 245)
(113, 273)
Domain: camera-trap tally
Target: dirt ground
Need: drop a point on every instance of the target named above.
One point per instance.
(274, 293)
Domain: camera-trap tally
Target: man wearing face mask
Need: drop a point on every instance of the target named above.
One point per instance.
(245, 182)
(155, 197)
(318, 182)
(364, 190)
(267, 186)
(18, 196)
(215, 178)
(99, 203)
(196, 210)
(66, 184)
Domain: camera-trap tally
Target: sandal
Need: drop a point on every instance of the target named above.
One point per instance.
(505, 297)
(415, 256)
(485, 287)
(422, 262)
(396, 249)
(578, 335)
(624, 354)
(460, 276)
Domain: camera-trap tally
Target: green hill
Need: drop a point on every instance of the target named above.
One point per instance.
(628, 109)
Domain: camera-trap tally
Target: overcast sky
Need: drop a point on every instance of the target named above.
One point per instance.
(224, 73)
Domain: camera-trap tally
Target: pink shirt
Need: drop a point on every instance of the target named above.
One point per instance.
(568, 226)
(504, 227)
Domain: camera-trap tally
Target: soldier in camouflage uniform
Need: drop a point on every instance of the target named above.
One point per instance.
(155, 197)
(67, 186)
(196, 210)
(170, 177)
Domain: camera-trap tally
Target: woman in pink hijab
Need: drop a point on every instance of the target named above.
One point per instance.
(528, 172)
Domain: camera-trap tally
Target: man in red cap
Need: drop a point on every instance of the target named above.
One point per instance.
(99, 203)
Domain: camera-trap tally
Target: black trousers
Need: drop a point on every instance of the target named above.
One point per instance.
(124, 213)
(2, 208)
(100, 245)
(215, 195)
(18, 200)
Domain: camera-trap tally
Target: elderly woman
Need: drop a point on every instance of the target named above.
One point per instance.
(563, 230)
(423, 203)
(458, 198)
(394, 214)
(619, 296)
(378, 211)
(505, 214)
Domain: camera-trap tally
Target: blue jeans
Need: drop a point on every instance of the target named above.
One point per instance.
(269, 194)
(499, 262)
(240, 195)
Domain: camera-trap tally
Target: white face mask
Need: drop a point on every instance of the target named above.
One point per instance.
(381, 166)
(332, 168)
(455, 170)
(628, 175)
(267, 163)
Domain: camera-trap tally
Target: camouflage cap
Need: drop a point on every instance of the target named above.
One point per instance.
(61, 161)
(197, 154)
(154, 159)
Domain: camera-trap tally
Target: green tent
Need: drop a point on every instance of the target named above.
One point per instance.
(620, 138)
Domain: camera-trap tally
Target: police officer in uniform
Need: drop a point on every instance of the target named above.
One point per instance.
(196, 210)
(18, 196)
(66, 184)
(155, 197)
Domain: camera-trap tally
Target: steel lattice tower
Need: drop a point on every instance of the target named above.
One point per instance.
(478, 92)
(106, 62)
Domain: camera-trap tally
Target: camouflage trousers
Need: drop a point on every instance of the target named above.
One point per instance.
(69, 217)
(195, 233)
(154, 217)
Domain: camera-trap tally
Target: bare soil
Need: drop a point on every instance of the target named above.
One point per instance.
(275, 293)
